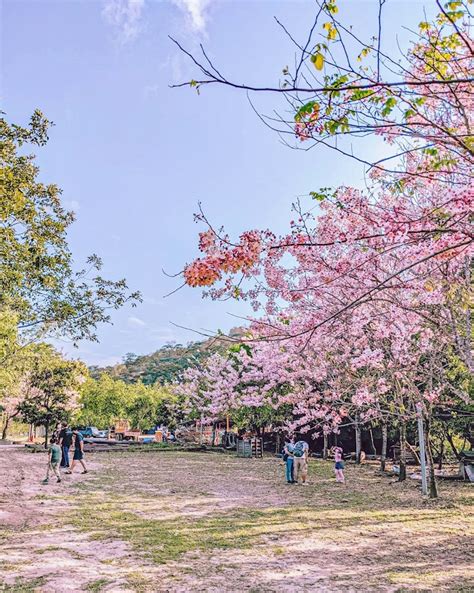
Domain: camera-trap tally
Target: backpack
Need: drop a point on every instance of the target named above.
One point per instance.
(299, 449)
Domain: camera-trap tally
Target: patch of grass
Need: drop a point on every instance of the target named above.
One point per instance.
(429, 578)
(166, 540)
(10, 566)
(5, 534)
(279, 551)
(138, 582)
(49, 526)
(48, 549)
(96, 586)
(22, 585)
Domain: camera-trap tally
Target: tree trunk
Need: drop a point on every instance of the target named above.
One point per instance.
(200, 431)
(453, 446)
(46, 435)
(278, 443)
(325, 446)
(8, 419)
(374, 450)
(441, 454)
(433, 487)
(383, 456)
(5, 428)
(403, 453)
(358, 440)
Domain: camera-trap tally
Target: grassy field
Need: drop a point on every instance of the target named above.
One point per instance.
(164, 521)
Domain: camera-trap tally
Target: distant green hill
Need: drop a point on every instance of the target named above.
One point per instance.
(167, 364)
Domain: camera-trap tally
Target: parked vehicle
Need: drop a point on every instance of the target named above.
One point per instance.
(92, 431)
(122, 432)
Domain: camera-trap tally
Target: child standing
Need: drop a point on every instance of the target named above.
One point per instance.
(54, 458)
(339, 465)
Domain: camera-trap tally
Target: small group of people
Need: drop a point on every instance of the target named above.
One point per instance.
(168, 436)
(62, 441)
(295, 456)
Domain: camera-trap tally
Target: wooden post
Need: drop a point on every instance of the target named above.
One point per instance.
(227, 423)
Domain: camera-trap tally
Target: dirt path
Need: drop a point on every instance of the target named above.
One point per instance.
(179, 522)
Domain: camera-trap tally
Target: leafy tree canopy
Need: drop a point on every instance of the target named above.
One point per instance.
(38, 279)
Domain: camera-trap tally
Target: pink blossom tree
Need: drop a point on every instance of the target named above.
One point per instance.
(366, 297)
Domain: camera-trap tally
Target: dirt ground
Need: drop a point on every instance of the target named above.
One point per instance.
(164, 521)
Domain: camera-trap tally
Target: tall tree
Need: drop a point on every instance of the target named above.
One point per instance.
(51, 388)
(39, 281)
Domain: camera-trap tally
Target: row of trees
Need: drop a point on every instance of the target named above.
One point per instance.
(39, 387)
(105, 400)
(366, 303)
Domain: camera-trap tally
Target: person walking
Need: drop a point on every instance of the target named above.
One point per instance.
(54, 457)
(300, 462)
(65, 441)
(288, 459)
(78, 443)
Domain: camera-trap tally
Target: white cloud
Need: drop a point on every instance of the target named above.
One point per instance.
(195, 11)
(125, 16)
(135, 322)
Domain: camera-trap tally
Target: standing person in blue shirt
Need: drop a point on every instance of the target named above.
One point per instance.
(78, 452)
(301, 454)
(65, 441)
(288, 459)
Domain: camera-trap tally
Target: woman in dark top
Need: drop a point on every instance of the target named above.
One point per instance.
(65, 441)
(78, 443)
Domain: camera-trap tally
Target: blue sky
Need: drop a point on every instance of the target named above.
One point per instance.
(134, 157)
